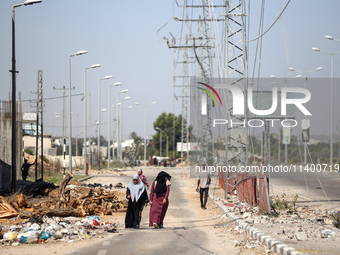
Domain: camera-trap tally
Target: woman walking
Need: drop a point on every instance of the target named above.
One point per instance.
(138, 198)
(159, 201)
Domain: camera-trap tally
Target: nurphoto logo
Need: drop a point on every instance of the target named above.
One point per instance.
(209, 93)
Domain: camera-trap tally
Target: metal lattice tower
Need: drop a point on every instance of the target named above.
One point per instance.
(201, 49)
(266, 143)
(181, 79)
(39, 137)
(236, 74)
(204, 58)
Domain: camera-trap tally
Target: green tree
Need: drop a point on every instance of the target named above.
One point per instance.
(171, 126)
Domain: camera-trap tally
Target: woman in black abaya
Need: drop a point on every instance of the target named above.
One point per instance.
(138, 198)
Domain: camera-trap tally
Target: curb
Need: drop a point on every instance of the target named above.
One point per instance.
(272, 243)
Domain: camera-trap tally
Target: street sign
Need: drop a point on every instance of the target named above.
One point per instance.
(29, 116)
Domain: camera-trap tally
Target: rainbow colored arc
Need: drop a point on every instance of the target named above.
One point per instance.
(209, 93)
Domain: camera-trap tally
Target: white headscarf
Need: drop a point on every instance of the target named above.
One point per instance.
(136, 190)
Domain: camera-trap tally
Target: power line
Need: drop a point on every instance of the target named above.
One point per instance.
(52, 98)
(272, 24)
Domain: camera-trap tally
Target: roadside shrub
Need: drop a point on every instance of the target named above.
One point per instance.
(28, 151)
(336, 219)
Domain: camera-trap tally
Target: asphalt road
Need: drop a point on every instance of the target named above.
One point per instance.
(174, 239)
(312, 187)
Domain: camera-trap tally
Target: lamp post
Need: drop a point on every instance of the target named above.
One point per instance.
(14, 110)
(118, 122)
(305, 76)
(77, 134)
(85, 114)
(109, 124)
(78, 53)
(145, 112)
(90, 132)
(121, 127)
(160, 141)
(332, 54)
(99, 108)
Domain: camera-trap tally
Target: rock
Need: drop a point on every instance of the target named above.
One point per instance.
(301, 236)
(257, 220)
(246, 215)
(236, 243)
(327, 233)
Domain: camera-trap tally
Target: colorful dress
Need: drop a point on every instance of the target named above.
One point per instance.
(143, 178)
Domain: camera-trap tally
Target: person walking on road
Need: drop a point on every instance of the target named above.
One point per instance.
(203, 182)
(138, 198)
(159, 199)
(25, 167)
(143, 178)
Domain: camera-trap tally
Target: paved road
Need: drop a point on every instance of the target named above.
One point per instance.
(176, 238)
(311, 187)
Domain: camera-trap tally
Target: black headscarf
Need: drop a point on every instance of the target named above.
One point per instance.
(161, 182)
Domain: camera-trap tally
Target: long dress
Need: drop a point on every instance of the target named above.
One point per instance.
(134, 211)
(158, 209)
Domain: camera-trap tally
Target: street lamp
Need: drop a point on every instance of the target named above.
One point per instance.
(331, 38)
(121, 127)
(78, 53)
(145, 108)
(332, 54)
(109, 124)
(305, 76)
(160, 141)
(99, 108)
(14, 72)
(85, 114)
(118, 123)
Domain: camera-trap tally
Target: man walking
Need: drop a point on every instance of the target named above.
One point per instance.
(25, 167)
(203, 182)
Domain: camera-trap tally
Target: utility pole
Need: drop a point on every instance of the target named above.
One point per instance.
(77, 135)
(232, 69)
(64, 124)
(90, 140)
(39, 142)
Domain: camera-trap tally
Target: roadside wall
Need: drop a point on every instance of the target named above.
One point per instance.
(6, 140)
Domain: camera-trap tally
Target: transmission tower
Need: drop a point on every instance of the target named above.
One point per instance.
(236, 75)
(181, 79)
(39, 141)
(201, 48)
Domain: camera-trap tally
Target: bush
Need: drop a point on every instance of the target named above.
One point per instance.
(28, 151)
(45, 159)
(336, 219)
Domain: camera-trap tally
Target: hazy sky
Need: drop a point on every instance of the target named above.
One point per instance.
(122, 37)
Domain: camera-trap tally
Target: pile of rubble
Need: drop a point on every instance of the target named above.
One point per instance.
(306, 224)
(54, 229)
(43, 212)
(39, 199)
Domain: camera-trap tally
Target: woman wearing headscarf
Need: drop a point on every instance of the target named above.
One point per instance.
(138, 198)
(159, 201)
(143, 178)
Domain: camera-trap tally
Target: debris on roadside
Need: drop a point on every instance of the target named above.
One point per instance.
(54, 229)
(303, 224)
(41, 198)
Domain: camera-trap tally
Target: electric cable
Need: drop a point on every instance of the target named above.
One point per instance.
(272, 24)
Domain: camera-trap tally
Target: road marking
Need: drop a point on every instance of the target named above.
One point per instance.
(102, 252)
(106, 243)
